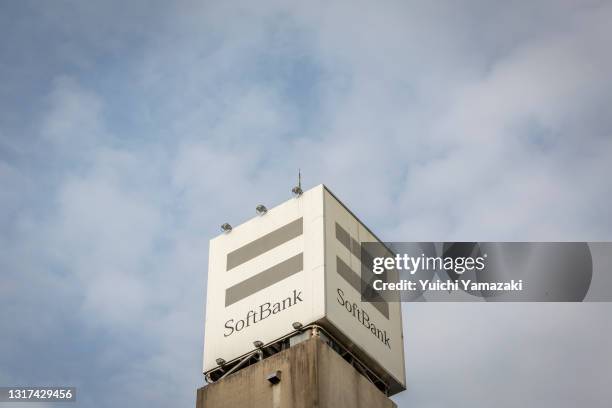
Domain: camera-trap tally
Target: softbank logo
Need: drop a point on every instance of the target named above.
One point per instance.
(353, 278)
(362, 317)
(270, 276)
(262, 312)
(264, 279)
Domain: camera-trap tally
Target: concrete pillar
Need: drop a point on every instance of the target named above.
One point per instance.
(311, 375)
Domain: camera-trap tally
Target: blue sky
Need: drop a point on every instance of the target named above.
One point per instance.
(130, 131)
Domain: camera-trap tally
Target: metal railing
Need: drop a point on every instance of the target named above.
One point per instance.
(283, 343)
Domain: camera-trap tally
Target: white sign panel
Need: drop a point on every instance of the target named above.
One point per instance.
(298, 262)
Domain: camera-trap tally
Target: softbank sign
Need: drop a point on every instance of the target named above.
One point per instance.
(261, 313)
(299, 262)
(362, 317)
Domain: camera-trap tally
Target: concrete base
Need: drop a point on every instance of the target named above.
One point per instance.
(312, 375)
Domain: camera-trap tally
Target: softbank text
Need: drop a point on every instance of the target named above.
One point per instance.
(363, 318)
(261, 312)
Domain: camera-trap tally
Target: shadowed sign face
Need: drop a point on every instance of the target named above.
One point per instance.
(373, 324)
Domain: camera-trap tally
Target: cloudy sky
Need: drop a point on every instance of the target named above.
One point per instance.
(129, 131)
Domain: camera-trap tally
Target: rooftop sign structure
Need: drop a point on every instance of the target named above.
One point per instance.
(298, 262)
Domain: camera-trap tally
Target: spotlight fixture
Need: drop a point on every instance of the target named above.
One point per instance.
(297, 325)
(261, 209)
(297, 190)
(226, 227)
(274, 378)
(220, 361)
(258, 343)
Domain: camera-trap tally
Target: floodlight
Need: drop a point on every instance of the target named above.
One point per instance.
(261, 209)
(297, 191)
(297, 325)
(258, 343)
(220, 361)
(226, 227)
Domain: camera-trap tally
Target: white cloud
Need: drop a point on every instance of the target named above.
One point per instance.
(74, 117)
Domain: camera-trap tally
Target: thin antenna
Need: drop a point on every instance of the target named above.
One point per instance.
(297, 190)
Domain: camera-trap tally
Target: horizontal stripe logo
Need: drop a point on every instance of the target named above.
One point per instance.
(349, 242)
(352, 277)
(356, 249)
(264, 244)
(355, 281)
(264, 279)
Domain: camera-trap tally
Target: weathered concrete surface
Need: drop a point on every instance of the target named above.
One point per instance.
(312, 375)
